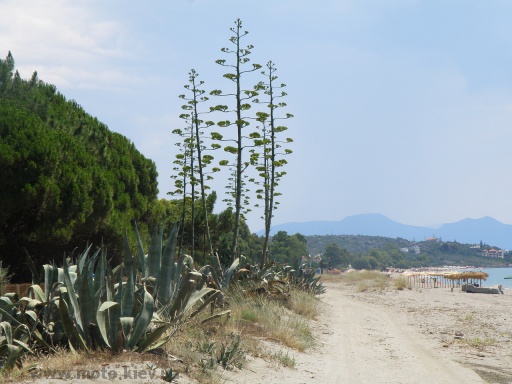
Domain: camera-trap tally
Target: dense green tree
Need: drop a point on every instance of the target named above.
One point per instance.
(6, 73)
(362, 263)
(336, 256)
(288, 248)
(66, 178)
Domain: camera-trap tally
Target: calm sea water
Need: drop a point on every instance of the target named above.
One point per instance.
(497, 276)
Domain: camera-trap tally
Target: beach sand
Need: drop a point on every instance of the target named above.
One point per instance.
(429, 335)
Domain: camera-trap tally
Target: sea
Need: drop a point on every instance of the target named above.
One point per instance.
(497, 276)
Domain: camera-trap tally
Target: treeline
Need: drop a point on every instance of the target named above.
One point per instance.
(335, 256)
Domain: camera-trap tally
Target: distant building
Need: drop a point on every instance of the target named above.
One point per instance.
(414, 248)
(498, 253)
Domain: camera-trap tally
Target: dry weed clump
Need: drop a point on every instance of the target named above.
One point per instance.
(366, 280)
(303, 304)
(200, 345)
(284, 321)
(480, 343)
(284, 359)
(401, 283)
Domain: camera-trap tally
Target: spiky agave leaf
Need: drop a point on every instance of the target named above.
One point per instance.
(154, 255)
(143, 319)
(73, 333)
(142, 255)
(107, 318)
(228, 275)
(153, 339)
(167, 267)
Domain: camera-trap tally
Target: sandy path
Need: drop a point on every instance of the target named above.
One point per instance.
(371, 344)
(362, 342)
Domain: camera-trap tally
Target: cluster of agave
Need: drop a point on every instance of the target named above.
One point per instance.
(271, 278)
(133, 306)
(303, 278)
(89, 305)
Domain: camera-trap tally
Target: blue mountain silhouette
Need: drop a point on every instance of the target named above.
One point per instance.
(471, 231)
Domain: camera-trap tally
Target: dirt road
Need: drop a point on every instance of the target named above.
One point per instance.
(371, 344)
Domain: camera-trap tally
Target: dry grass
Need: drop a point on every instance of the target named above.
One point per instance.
(199, 347)
(283, 321)
(480, 343)
(252, 317)
(65, 362)
(401, 283)
(366, 280)
(467, 318)
(327, 277)
(303, 304)
(284, 359)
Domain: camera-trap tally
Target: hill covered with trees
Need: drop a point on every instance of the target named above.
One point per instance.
(376, 252)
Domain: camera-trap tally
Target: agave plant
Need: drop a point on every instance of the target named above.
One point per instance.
(16, 330)
(90, 305)
(13, 343)
(223, 279)
(174, 284)
(303, 278)
(23, 314)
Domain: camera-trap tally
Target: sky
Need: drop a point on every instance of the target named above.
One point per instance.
(401, 107)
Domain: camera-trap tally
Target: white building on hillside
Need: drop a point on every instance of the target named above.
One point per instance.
(499, 253)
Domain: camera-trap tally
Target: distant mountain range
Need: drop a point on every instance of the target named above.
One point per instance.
(471, 231)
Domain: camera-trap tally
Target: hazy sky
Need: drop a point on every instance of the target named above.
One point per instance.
(401, 107)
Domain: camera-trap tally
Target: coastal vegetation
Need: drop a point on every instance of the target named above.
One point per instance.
(69, 181)
(151, 298)
(113, 268)
(365, 280)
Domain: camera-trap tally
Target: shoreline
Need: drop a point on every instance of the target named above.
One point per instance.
(494, 276)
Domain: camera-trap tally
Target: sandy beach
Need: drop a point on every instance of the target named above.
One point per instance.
(428, 335)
